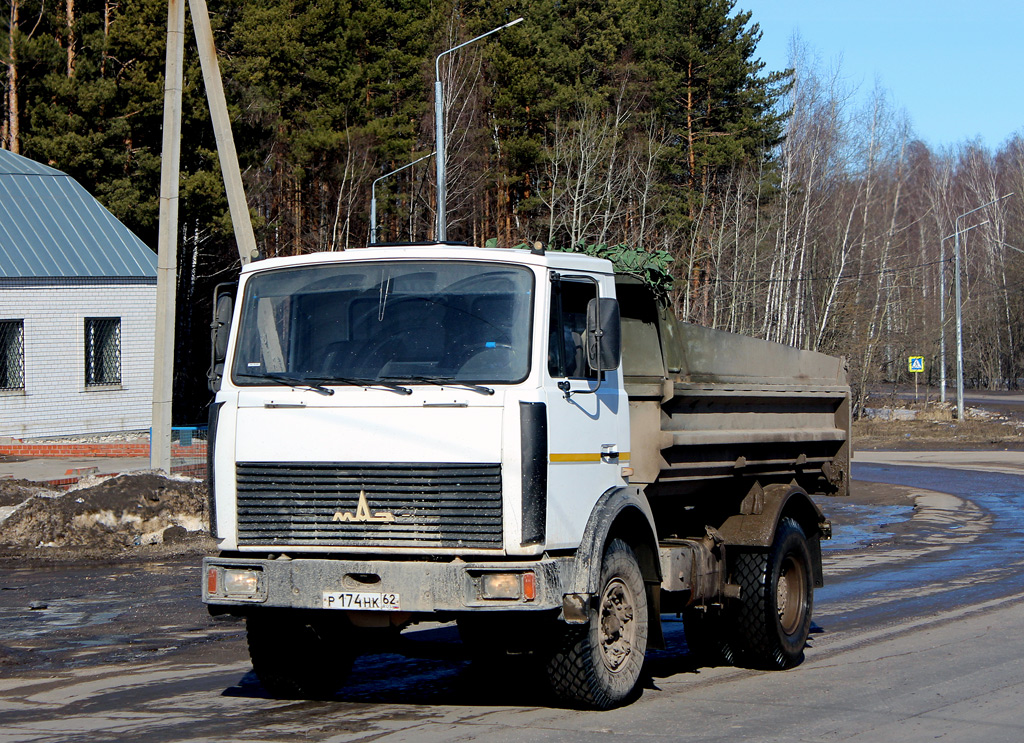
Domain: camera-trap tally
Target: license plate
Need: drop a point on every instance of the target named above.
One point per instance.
(360, 601)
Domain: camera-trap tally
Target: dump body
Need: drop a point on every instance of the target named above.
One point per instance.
(711, 411)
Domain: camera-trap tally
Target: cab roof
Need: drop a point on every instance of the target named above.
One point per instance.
(442, 251)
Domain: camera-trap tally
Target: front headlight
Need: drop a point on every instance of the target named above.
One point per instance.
(241, 582)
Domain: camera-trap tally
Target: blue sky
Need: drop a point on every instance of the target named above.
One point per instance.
(955, 66)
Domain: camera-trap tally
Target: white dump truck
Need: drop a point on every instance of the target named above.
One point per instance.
(519, 441)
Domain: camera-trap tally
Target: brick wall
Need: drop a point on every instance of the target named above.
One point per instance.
(56, 401)
(17, 448)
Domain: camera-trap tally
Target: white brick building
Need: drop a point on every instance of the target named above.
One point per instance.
(77, 310)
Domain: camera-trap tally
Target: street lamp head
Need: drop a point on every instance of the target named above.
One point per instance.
(437, 60)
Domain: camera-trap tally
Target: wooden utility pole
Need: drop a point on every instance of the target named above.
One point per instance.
(230, 171)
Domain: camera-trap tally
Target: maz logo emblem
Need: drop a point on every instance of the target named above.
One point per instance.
(363, 513)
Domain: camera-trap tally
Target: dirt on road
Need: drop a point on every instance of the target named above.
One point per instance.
(932, 435)
(130, 515)
(105, 572)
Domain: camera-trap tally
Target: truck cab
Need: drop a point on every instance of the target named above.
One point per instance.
(380, 371)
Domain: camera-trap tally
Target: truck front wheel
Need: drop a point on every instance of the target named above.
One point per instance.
(773, 618)
(598, 665)
(298, 654)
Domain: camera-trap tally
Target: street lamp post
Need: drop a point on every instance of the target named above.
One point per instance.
(942, 311)
(373, 196)
(959, 313)
(442, 188)
(942, 318)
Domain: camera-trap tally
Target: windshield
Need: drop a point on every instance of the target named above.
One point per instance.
(422, 321)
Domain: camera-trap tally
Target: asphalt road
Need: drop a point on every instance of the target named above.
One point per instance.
(917, 637)
(1000, 400)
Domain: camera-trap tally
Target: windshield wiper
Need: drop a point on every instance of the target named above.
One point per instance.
(389, 385)
(449, 382)
(367, 383)
(317, 383)
(364, 383)
(294, 382)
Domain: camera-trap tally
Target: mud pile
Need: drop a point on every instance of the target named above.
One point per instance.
(107, 515)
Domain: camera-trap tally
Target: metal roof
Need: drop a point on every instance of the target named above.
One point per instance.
(51, 227)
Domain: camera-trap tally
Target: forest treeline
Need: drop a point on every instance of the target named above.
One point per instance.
(791, 209)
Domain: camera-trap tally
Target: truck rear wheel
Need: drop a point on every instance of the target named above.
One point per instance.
(773, 617)
(297, 654)
(598, 665)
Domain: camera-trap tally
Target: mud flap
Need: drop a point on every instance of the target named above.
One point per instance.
(760, 513)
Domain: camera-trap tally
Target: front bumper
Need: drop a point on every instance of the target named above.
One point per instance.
(422, 587)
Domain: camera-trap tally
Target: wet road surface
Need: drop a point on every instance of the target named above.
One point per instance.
(963, 544)
(916, 637)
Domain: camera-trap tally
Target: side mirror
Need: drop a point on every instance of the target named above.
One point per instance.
(604, 334)
(220, 328)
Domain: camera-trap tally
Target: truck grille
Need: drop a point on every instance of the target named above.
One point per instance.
(405, 505)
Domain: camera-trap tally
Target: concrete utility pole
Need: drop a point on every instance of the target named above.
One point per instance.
(167, 246)
(959, 307)
(942, 318)
(942, 310)
(439, 147)
(170, 169)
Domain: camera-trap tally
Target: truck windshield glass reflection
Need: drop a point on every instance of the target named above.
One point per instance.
(398, 321)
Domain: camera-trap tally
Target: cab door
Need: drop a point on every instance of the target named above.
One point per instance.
(587, 411)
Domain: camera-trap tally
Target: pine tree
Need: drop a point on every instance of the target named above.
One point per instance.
(711, 95)
(717, 110)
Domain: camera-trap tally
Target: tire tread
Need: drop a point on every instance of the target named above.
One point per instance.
(755, 630)
(573, 663)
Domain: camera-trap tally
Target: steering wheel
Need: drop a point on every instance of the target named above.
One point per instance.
(377, 353)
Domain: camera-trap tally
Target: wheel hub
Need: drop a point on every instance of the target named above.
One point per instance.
(617, 624)
(789, 598)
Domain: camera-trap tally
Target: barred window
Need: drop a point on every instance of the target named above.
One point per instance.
(12, 354)
(102, 351)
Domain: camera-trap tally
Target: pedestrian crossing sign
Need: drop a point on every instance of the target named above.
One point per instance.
(917, 363)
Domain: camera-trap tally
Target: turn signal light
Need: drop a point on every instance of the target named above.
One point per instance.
(530, 586)
(211, 581)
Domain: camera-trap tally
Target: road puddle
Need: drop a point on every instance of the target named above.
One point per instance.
(59, 617)
(856, 525)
